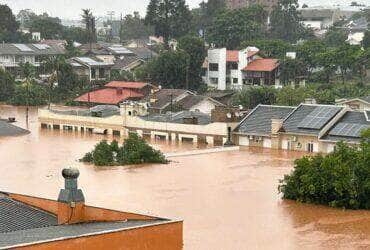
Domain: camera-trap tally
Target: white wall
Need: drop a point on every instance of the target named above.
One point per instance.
(217, 56)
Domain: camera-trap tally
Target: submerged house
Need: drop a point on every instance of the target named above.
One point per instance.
(308, 127)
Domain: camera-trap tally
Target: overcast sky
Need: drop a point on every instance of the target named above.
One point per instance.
(71, 8)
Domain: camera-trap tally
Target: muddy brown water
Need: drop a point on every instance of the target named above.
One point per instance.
(227, 200)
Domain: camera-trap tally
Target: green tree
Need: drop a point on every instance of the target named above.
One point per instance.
(49, 27)
(251, 97)
(335, 38)
(308, 52)
(366, 40)
(231, 27)
(9, 26)
(169, 18)
(292, 71)
(339, 179)
(7, 85)
(269, 48)
(196, 51)
(289, 96)
(286, 21)
(134, 27)
(30, 94)
(90, 26)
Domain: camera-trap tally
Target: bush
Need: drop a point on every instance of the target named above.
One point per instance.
(133, 151)
(340, 179)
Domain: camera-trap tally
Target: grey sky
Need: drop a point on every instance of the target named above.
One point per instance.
(72, 8)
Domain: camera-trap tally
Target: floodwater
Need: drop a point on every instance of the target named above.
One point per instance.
(227, 200)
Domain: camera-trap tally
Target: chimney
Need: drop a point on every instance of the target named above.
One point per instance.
(71, 201)
(276, 125)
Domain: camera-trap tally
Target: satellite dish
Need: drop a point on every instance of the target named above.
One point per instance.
(228, 115)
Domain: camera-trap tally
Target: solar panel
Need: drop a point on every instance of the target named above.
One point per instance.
(348, 129)
(41, 46)
(23, 47)
(318, 117)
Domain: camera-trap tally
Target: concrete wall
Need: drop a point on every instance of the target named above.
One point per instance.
(217, 56)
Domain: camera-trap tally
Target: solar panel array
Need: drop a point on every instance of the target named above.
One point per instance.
(23, 47)
(348, 129)
(41, 46)
(318, 117)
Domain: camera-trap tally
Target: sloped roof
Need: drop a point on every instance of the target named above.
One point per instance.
(191, 100)
(262, 64)
(7, 129)
(163, 97)
(233, 55)
(125, 61)
(258, 121)
(291, 123)
(126, 85)
(30, 49)
(108, 96)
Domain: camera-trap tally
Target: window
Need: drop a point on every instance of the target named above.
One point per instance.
(235, 80)
(213, 80)
(93, 73)
(310, 147)
(101, 73)
(213, 67)
(234, 65)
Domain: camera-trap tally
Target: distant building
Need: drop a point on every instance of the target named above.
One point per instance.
(91, 68)
(115, 93)
(308, 127)
(165, 100)
(233, 69)
(29, 222)
(360, 103)
(12, 55)
(238, 4)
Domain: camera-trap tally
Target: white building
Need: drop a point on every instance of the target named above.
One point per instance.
(233, 69)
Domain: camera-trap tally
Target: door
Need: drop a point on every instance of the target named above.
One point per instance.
(266, 142)
(243, 141)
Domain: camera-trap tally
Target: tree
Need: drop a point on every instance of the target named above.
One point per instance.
(251, 97)
(49, 27)
(231, 27)
(9, 26)
(25, 18)
(205, 15)
(335, 38)
(168, 69)
(291, 71)
(89, 20)
(339, 179)
(366, 40)
(169, 18)
(269, 48)
(7, 85)
(196, 51)
(289, 96)
(309, 52)
(286, 21)
(134, 27)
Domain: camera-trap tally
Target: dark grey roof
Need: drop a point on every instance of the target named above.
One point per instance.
(350, 117)
(317, 13)
(143, 53)
(7, 129)
(189, 101)
(221, 96)
(178, 117)
(53, 233)
(124, 62)
(258, 122)
(291, 123)
(11, 49)
(163, 97)
(15, 216)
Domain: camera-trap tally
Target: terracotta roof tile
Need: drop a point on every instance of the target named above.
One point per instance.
(262, 64)
(126, 85)
(232, 55)
(108, 96)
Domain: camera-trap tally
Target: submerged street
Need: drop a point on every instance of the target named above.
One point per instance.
(227, 200)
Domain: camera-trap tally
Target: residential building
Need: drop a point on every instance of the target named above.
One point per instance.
(91, 68)
(116, 92)
(127, 63)
(13, 55)
(322, 18)
(29, 222)
(308, 127)
(238, 4)
(165, 100)
(232, 69)
(360, 103)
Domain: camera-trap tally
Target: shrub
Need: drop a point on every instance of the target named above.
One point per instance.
(339, 179)
(135, 150)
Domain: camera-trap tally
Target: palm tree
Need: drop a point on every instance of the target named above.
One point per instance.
(89, 20)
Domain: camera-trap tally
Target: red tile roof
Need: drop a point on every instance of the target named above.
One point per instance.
(233, 55)
(262, 64)
(108, 96)
(126, 85)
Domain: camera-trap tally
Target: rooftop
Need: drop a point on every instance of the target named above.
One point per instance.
(262, 64)
(108, 96)
(203, 119)
(126, 85)
(233, 55)
(8, 129)
(30, 49)
(163, 97)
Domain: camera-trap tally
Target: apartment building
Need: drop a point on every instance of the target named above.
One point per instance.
(308, 127)
(233, 69)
